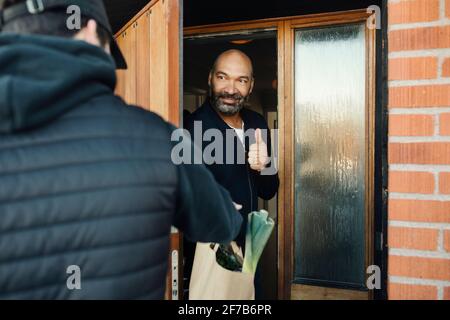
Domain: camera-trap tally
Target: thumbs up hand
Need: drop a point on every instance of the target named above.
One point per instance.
(257, 155)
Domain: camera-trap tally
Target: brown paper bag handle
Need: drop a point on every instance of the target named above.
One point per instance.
(235, 247)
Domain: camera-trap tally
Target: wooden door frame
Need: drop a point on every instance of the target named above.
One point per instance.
(278, 25)
(285, 27)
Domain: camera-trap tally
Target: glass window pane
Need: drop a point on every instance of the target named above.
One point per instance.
(330, 150)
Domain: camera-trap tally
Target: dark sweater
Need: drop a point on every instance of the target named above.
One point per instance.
(244, 184)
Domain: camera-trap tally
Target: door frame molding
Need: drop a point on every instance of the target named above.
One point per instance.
(286, 27)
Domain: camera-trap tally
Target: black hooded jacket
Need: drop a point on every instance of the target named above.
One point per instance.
(88, 181)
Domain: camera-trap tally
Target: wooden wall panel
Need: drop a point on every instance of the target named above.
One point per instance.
(174, 36)
(130, 56)
(143, 61)
(151, 45)
(120, 86)
(158, 54)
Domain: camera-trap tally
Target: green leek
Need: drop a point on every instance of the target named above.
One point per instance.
(259, 229)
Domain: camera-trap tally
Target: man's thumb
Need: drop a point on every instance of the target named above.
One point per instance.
(258, 136)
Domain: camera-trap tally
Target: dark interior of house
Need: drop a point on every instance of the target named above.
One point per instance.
(200, 53)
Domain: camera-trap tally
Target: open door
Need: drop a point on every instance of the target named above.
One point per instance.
(325, 117)
(150, 42)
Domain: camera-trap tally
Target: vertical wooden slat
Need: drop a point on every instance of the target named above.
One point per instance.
(120, 86)
(289, 160)
(143, 61)
(174, 59)
(158, 55)
(281, 161)
(129, 76)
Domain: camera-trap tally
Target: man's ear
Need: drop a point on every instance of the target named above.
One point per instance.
(89, 33)
(210, 78)
(252, 85)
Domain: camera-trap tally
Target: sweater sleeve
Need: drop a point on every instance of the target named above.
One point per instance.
(205, 211)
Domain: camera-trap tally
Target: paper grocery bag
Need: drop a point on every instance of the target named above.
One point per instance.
(210, 281)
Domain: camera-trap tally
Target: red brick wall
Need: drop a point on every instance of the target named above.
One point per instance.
(419, 149)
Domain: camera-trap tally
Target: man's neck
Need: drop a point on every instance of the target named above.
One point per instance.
(234, 121)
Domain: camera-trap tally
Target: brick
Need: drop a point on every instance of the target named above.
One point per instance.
(447, 8)
(419, 153)
(419, 38)
(418, 267)
(411, 125)
(447, 293)
(419, 210)
(411, 182)
(397, 291)
(419, 96)
(413, 68)
(413, 11)
(444, 183)
(444, 124)
(447, 240)
(446, 68)
(413, 238)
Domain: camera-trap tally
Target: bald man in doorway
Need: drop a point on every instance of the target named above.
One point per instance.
(231, 82)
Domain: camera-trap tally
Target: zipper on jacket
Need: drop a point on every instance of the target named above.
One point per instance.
(251, 190)
(250, 187)
(247, 167)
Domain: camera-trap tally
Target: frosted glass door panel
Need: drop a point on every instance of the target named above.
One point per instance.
(330, 155)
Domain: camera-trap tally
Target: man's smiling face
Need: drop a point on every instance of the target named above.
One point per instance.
(231, 82)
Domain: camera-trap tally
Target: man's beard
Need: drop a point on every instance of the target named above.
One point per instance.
(227, 109)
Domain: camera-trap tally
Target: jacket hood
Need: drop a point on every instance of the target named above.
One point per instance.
(42, 77)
